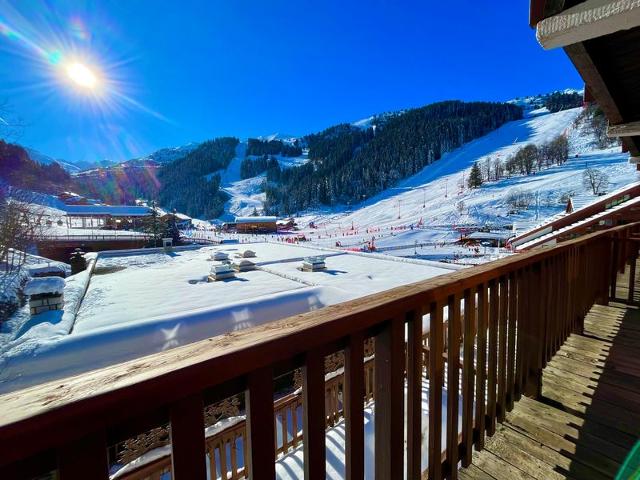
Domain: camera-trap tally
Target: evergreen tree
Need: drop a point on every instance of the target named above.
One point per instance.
(475, 177)
(171, 229)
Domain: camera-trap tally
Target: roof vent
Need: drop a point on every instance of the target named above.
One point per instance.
(220, 256)
(45, 294)
(221, 271)
(243, 265)
(313, 264)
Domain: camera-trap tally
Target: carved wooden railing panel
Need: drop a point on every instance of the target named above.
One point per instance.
(501, 322)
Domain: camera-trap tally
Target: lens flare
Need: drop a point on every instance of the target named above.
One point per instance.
(81, 59)
(81, 75)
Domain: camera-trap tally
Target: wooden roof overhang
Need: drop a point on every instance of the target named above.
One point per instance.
(602, 39)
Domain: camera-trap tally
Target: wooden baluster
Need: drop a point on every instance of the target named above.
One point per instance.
(187, 440)
(520, 283)
(511, 340)
(468, 377)
(314, 418)
(502, 349)
(389, 397)
(212, 462)
(223, 458)
(234, 458)
(481, 365)
(453, 383)
(613, 274)
(533, 372)
(632, 271)
(245, 451)
(436, 377)
(84, 458)
(493, 357)
(553, 312)
(285, 432)
(414, 393)
(294, 423)
(260, 428)
(550, 286)
(354, 373)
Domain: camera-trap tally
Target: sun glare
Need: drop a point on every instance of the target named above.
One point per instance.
(82, 76)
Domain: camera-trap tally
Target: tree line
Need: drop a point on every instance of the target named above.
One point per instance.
(19, 170)
(562, 101)
(273, 147)
(349, 164)
(526, 161)
(189, 185)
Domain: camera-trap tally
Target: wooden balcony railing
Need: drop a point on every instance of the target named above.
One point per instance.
(505, 321)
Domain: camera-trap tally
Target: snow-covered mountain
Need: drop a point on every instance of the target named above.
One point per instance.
(429, 206)
(165, 155)
(533, 102)
(71, 167)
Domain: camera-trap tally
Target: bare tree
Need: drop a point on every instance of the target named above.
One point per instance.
(518, 199)
(596, 180)
(487, 169)
(21, 225)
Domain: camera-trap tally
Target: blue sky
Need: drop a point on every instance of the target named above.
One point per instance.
(171, 72)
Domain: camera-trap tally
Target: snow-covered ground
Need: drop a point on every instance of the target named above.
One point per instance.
(424, 215)
(247, 195)
(428, 209)
(141, 302)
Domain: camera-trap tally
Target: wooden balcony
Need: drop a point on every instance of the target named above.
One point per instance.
(525, 326)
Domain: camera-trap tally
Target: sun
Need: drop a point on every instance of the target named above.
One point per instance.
(82, 76)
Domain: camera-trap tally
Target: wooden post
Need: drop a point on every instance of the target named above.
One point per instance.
(493, 358)
(533, 372)
(511, 340)
(502, 349)
(632, 270)
(613, 273)
(414, 394)
(354, 407)
(468, 377)
(389, 398)
(85, 458)
(313, 402)
(188, 449)
(453, 384)
(481, 365)
(261, 461)
(436, 375)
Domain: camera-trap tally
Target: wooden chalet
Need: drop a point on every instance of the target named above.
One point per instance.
(545, 383)
(113, 217)
(619, 207)
(256, 224)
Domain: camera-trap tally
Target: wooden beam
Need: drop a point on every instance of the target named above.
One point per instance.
(587, 20)
(630, 129)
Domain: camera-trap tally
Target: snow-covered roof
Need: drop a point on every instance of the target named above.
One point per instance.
(113, 210)
(255, 219)
(490, 235)
(43, 268)
(39, 286)
(147, 302)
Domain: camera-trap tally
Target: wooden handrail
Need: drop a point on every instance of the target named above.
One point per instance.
(60, 415)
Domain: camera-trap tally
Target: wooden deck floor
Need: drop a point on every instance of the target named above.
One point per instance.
(588, 418)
